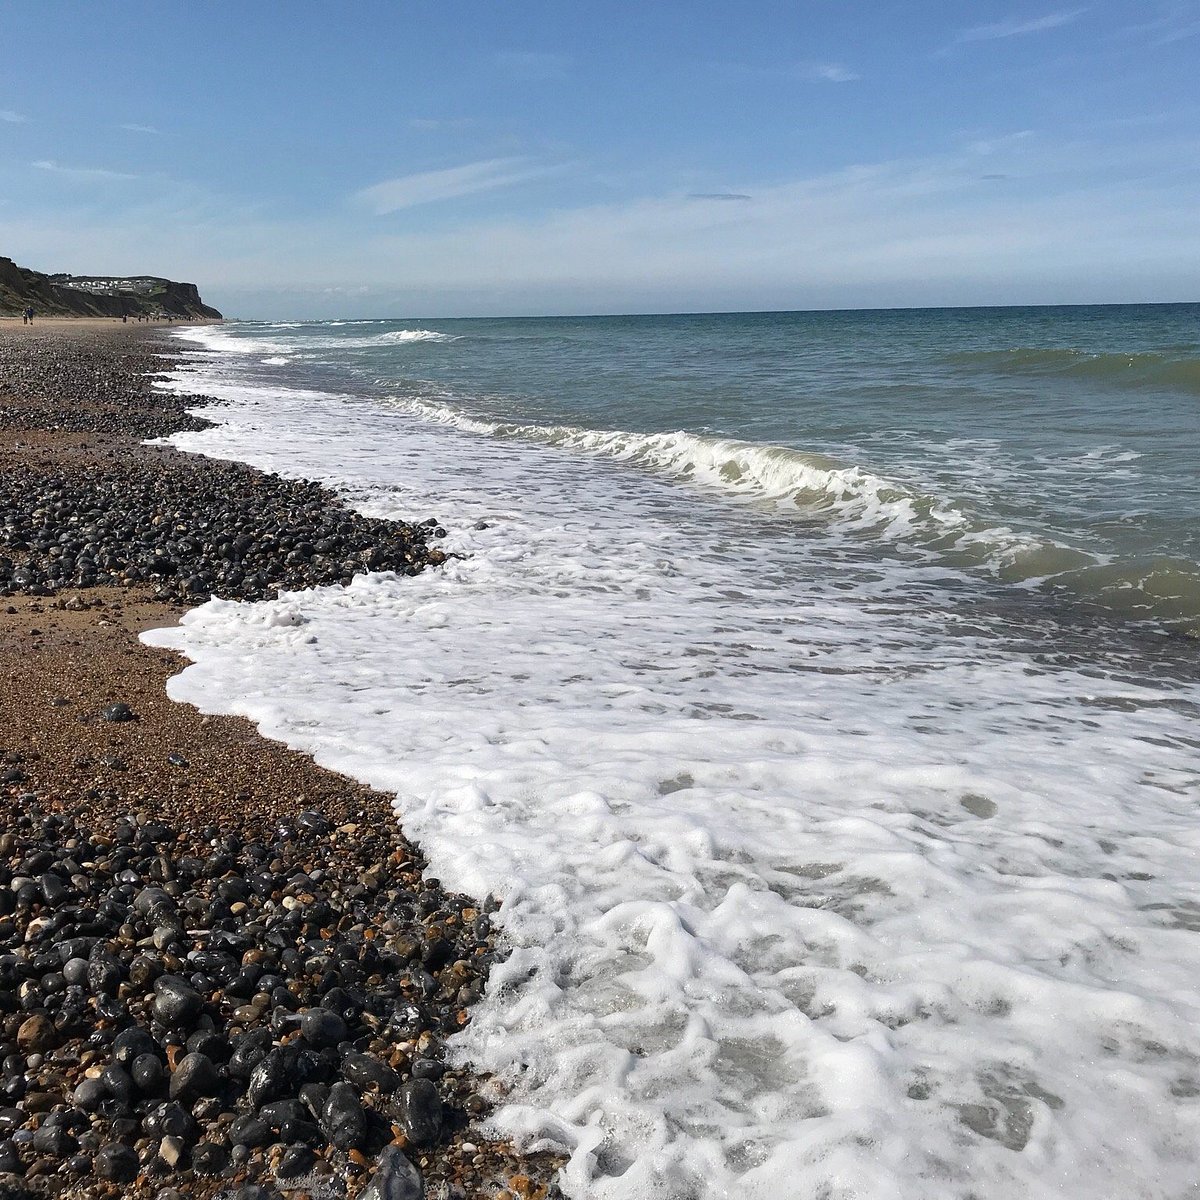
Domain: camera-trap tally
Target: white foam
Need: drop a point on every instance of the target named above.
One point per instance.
(817, 885)
(796, 483)
(399, 336)
(314, 338)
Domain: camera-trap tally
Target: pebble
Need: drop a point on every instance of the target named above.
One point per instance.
(195, 1076)
(142, 977)
(176, 1001)
(395, 1178)
(116, 1163)
(420, 1111)
(189, 1003)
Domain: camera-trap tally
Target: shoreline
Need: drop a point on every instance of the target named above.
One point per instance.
(113, 794)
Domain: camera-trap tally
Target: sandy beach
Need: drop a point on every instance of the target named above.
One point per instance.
(221, 967)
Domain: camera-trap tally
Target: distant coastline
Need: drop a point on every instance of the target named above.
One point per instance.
(142, 297)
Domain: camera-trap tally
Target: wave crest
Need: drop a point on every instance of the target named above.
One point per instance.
(399, 336)
(799, 483)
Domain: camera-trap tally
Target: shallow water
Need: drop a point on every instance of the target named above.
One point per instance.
(838, 859)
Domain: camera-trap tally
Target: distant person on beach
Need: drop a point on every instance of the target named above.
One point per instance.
(27, 316)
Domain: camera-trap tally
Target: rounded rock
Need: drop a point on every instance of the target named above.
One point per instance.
(320, 1027)
(195, 1076)
(116, 1163)
(148, 1074)
(420, 1111)
(395, 1178)
(176, 1002)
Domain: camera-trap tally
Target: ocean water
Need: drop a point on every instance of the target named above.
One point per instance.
(817, 692)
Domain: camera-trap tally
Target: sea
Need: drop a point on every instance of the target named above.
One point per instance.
(816, 692)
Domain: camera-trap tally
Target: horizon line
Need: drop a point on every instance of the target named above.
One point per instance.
(744, 312)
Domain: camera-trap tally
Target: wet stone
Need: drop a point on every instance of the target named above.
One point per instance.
(10, 1159)
(148, 1073)
(54, 1141)
(249, 1131)
(342, 1119)
(420, 1111)
(176, 1002)
(366, 1071)
(131, 1044)
(118, 712)
(279, 1112)
(117, 1083)
(320, 1027)
(297, 1160)
(116, 1163)
(395, 1178)
(89, 1094)
(195, 1076)
(170, 1119)
(208, 1158)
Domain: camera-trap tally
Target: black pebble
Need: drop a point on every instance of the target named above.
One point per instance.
(116, 1163)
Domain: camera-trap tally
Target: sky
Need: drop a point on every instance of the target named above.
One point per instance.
(308, 160)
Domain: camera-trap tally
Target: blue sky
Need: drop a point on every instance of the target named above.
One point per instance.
(305, 159)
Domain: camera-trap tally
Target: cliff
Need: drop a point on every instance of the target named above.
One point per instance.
(97, 295)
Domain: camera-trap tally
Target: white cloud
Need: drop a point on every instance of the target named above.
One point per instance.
(132, 128)
(829, 72)
(1073, 221)
(904, 232)
(428, 186)
(1016, 27)
(13, 118)
(46, 164)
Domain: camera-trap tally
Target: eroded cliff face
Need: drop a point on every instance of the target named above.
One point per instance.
(97, 296)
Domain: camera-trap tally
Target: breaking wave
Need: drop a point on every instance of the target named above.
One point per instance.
(853, 500)
(400, 336)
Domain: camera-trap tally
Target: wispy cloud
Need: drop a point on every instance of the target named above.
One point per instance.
(826, 72)
(902, 232)
(139, 128)
(1018, 27)
(46, 164)
(531, 67)
(13, 118)
(428, 186)
(719, 196)
(1175, 24)
(1001, 142)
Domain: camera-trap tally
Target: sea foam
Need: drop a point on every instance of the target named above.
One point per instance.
(817, 883)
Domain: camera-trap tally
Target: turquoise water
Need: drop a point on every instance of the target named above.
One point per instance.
(1048, 448)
